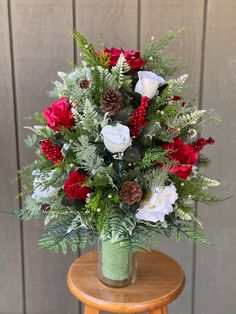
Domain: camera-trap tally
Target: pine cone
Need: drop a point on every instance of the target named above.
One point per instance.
(84, 84)
(45, 207)
(111, 102)
(131, 192)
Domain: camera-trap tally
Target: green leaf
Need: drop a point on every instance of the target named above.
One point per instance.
(153, 156)
(37, 117)
(87, 49)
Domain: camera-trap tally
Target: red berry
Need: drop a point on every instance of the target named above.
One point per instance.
(200, 143)
(138, 117)
(211, 141)
(51, 150)
(176, 98)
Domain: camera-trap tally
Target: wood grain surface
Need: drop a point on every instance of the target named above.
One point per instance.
(159, 281)
(158, 17)
(11, 283)
(41, 46)
(215, 264)
(116, 23)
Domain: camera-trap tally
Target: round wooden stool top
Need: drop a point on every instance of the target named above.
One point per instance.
(159, 281)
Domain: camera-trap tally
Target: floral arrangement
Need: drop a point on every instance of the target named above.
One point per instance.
(118, 152)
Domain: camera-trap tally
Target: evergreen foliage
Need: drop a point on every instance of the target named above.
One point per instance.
(86, 155)
(165, 66)
(119, 71)
(87, 49)
(76, 187)
(153, 156)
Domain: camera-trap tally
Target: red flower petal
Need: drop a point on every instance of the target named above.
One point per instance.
(182, 153)
(74, 188)
(59, 115)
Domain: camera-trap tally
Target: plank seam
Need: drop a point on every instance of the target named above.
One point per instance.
(201, 86)
(74, 10)
(19, 183)
(202, 68)
(138, 24)
(75, 50)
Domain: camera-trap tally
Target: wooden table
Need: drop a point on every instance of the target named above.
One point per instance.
(160, 280)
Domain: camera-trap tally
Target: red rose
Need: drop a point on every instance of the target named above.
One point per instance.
(132, 57)
(59, 115)
(114, 54)
(74, 188)
(185, 156)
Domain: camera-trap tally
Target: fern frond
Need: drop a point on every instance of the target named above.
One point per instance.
(189, 232)
(211, 116)
(89, 119)
(153, 156)
(207, 198)
(181, 214)
(121, 226)
(31, 140)
(144, 238)
(208, 182)
(86, 156)
(182, 121)
(57, 242)
(119, 71)
(176, 85)
(108, 80)
(31, 209)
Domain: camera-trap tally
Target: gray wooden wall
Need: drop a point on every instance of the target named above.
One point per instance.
(35, 43)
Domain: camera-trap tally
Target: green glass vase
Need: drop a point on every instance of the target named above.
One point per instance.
(117, 264)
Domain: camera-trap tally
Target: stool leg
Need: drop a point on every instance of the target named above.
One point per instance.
(163, 310)
(90, 310)
(157, 311)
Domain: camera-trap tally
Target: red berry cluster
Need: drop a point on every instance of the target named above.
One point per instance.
(200, 143)
(52, 151)
(138, 117)
(176, 98)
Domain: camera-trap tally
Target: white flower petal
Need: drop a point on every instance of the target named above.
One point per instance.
(159, 205)
(148, 83)
(116, 138)
(137, 88)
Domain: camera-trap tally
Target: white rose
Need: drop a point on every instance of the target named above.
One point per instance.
(148, 83)
(116, 138)
(159, 205)
(39, 192)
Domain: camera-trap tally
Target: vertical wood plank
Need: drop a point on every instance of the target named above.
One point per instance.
(215, 264)
(157, 17)
(115, 21)
(10, 236)
(43, 45)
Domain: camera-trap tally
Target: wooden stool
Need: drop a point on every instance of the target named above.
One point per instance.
(160, 280)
